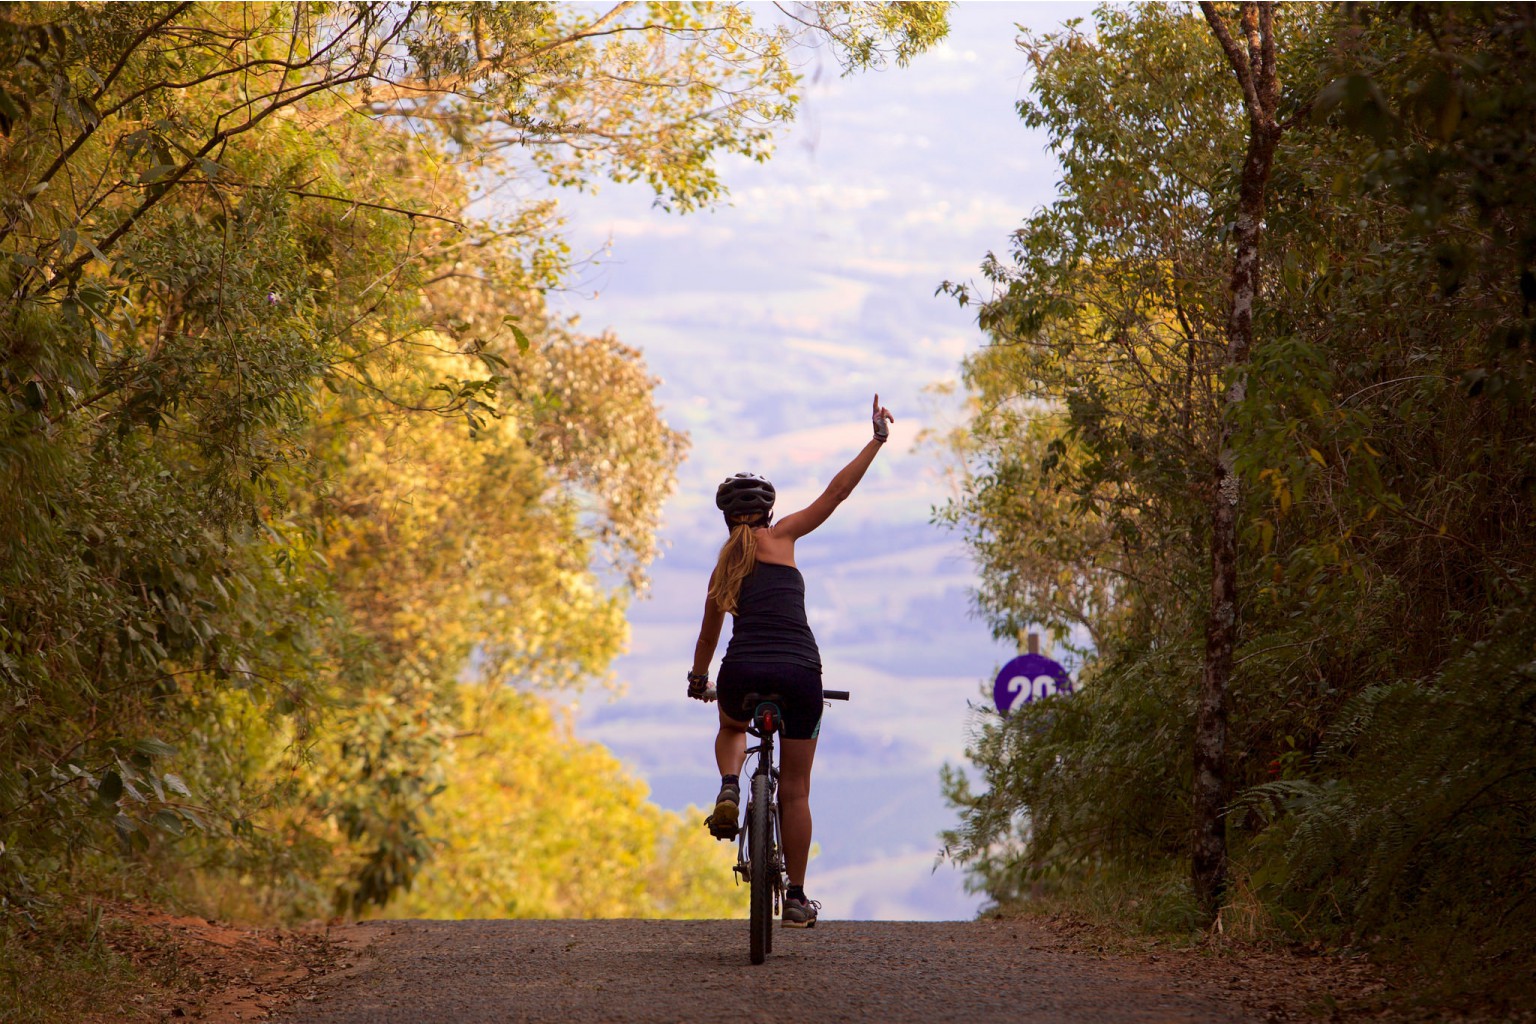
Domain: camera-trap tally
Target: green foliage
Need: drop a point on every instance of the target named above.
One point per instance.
(1381, 697)
(634, 92)
(1414, 823)
(1094, 417)
(63, 969)
(293, 457)
(867, 35)
(1117, 743)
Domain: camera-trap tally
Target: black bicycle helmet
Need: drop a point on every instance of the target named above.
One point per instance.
(744, 495)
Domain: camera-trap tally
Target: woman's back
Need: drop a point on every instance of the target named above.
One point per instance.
(769, 624)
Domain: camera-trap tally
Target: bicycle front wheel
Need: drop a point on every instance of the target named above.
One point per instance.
(759, 850)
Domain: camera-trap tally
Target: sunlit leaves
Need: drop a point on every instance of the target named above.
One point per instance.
(534, 811)
(633, 92)
(290, 449)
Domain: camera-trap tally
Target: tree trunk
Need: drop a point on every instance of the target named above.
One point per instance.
(1255, 71)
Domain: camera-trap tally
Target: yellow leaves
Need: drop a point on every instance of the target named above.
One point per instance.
(537, 823)
(454, 548)
(283, 298)
(1287, 489)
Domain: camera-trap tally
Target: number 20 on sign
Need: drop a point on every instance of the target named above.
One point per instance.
(1029, 677)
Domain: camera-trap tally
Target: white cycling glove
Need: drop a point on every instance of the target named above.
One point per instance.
(882, 420)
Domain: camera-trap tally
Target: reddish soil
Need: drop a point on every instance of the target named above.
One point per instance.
(219, 973)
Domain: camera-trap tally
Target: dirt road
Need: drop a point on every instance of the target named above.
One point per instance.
(440, 972)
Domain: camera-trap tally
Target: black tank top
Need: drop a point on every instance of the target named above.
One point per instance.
(769, 624)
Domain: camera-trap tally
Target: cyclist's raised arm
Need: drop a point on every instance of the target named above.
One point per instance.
(798, 524)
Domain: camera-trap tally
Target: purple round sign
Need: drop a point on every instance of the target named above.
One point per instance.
(1029, 676)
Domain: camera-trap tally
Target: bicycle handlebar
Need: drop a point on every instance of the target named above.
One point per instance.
(711, 694)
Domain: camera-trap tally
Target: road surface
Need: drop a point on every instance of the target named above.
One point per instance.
(571, 972)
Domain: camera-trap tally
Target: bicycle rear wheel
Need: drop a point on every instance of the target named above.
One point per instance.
(759, 850)
(775, 870)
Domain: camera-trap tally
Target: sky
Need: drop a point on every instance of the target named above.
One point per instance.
(771, 322)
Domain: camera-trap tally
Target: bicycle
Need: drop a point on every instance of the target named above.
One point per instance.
(759, 848)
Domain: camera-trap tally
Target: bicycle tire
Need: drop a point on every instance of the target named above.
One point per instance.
(775, 870)
(759, 845)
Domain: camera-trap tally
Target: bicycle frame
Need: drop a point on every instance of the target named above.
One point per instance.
(764, 730)
(760, 847)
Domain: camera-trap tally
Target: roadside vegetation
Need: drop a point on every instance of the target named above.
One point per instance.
(308, 504)
(1375, 445)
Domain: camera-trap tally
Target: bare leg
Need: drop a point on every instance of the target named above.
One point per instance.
(795, 805)
(730, 745)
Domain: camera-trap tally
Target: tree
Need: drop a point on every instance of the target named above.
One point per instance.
(543, 825)
(291, 448)
(1096, 410)
(1258, 76)
(1379, 746)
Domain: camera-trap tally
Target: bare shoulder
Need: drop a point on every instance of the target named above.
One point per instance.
(775, 547)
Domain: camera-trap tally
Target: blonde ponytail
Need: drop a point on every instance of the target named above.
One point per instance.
(738, 557)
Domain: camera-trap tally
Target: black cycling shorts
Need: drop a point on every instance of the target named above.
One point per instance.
(799, 691)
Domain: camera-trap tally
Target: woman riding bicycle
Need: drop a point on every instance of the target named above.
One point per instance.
(771, 650)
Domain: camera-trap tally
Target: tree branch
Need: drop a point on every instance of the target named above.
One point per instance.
(1235, 56)
(1269, 84)
(138, 41)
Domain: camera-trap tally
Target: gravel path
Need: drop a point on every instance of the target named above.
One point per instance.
(572, 972)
